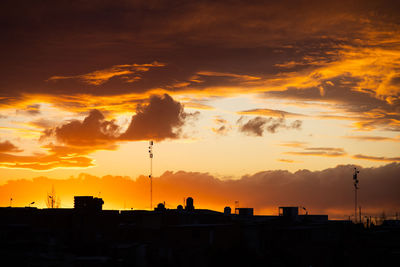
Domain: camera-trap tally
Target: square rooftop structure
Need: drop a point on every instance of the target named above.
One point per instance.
(88, 203)
(245, 211)
(289, 211)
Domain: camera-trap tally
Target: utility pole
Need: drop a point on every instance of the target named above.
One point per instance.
(356, 172)
(237, 207)
(151, 173)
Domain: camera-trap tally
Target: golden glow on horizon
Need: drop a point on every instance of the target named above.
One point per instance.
(306, 89)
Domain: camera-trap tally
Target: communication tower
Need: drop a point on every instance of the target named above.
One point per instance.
(355, 178)
(151, 173)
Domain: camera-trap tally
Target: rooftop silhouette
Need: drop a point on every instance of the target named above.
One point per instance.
(87, 235)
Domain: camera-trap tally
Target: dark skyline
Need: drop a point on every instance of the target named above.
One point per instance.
(230, 91)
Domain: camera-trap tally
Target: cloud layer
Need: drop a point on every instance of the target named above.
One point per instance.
(327, 191)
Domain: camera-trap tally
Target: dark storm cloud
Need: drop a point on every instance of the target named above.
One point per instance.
(44, 39)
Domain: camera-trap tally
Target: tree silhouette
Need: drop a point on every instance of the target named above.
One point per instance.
(52, 200)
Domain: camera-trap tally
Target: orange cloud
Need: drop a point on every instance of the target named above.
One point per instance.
(223, 126)
(319, 151)
(195, 105)
(44, 162)
(287, 160)
(33, 109)
(293, 144)
(374, 67)
(94, 130)
(379, 118)
(374, 158)
(269, 112)
(372, 138)
(7, 146)
(162, 118)
(99, 77)
(242, 77)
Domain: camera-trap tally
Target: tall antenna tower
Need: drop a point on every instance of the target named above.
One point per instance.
(356, 172)
(151, 173)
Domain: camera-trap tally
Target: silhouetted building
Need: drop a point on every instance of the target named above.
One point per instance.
(245, 211)
(88, 203)
(190, 237)
(291, 212)
(160, 207)
(189, 204)
(227, 210)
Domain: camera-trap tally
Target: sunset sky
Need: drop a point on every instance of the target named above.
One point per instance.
(243, 99)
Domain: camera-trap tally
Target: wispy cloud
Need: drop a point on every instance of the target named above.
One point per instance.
(223, 126)
(376, 158)
(196, 105)
(319, 151)
(372, 138)
(242, 77)
(270, 112)
(56, 158)
(287, 160)
(294, 144)
(127, 72)
(33, 109)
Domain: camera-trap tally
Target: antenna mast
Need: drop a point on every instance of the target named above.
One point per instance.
(151, 173)
(356, 172)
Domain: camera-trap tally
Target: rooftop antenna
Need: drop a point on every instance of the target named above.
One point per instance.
(236, 206)
(305, 210)
(151, 173)
(356, 172)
